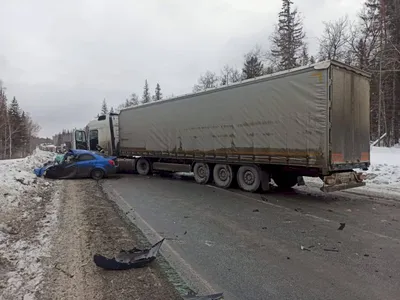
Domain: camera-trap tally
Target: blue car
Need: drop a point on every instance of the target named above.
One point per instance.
(79, 164)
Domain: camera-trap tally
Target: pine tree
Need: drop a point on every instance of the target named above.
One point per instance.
(312, 59)
(305, 60)
(3, 122)
(146, 95)
(288, 37)
(269, 70)
(14, 118)
(104, 108)
(24, 135)
(157, 94)
(111, 110)
(252, 67)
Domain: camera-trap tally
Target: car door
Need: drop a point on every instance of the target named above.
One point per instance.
(85, 163)
(67, 169)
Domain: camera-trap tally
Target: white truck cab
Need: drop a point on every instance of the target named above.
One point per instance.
(103, 132)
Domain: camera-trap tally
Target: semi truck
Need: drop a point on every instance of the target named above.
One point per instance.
(308, 121)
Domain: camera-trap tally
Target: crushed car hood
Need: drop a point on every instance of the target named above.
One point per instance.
(40, 171)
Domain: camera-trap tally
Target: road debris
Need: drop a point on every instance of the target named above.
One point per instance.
(256, 210)
(341, 227)
(134, 258)
(331, 250)
(304, 248)
(192, 295)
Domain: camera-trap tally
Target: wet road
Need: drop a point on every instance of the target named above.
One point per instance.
(274, 246)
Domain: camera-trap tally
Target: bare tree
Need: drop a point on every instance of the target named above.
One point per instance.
(334, 41)
(229, 75)
(206, 81)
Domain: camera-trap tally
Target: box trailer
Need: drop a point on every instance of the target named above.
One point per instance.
(309, 121)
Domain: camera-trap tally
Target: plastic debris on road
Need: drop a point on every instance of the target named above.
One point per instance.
(131, 259)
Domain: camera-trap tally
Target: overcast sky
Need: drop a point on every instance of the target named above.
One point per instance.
(62, 60)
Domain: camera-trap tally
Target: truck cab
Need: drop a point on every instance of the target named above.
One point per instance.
(103, 132)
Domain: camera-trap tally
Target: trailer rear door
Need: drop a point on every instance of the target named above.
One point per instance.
(350, 118)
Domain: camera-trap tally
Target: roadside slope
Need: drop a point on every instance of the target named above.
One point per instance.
(88, 224)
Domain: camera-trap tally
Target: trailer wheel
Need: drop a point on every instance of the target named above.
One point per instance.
(202, 173)
(223, 175)
(143, 166)
(248, 178)
(285, 181)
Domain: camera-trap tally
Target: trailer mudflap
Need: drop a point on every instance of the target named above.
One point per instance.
(342, 181)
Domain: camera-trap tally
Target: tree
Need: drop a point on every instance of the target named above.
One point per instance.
(111, 110)
(206, 81)
(229, 75)
(288, 38)
(146, 95)
(252, 67)
(268, 70)
(104, 108)
(305, 59)
(14, 124)
(334, 41)
(157, 94)
(312, 59)
(4, 128)
(133, 100)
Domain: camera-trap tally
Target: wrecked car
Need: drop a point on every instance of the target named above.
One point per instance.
(79, 164)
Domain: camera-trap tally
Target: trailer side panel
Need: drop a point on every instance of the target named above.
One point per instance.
(277, 120)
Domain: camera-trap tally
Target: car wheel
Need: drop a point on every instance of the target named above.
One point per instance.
(97, 174)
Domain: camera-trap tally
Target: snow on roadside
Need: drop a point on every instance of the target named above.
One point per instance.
(383, 175)
(385, 166)
(28, 216)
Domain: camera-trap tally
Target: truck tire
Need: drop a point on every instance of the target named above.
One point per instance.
(97, 174)
(143, 166)
(202, 173)
(223, 175)
(285, 181)
(248, 178)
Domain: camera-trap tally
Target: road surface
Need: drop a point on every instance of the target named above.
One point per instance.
(274, 246)
(90, 224)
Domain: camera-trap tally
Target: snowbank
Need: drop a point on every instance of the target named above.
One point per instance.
(383, 176)
(385, 166)
(27, 216)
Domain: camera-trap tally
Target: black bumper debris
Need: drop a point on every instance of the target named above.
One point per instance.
(130, 259)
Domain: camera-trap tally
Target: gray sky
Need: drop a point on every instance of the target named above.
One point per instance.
(61, 60)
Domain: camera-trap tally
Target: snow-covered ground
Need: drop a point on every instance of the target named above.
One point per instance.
(385, 167)
(383, 176)
(28, 215)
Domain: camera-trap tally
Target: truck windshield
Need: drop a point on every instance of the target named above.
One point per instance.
(80, 136)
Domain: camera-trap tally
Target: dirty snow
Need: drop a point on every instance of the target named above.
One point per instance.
(385, 167)
(28, 216)
(383, 176)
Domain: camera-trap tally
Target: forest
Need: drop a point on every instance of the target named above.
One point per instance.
(18, 132)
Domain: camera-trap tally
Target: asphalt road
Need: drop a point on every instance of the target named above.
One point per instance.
(274, 246)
